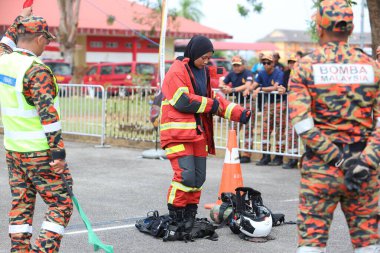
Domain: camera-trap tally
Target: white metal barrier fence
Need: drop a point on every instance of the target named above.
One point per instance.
(269, 130)
(124, 113)
(82, 110)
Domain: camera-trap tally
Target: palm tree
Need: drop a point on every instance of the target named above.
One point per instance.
(189, 9)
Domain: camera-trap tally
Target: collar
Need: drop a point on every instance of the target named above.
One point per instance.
(25, 51)
(335, 44)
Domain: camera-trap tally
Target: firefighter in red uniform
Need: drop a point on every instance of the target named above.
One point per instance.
(186, 126)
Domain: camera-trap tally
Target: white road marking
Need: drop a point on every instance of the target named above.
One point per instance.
(100, 229)
(290, 200)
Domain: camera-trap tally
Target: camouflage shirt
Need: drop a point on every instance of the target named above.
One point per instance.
(334, 98)
(39, 89)
(10, 38)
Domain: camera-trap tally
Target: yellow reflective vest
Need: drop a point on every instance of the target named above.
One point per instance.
(23, 131)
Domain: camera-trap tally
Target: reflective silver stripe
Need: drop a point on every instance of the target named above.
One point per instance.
(307, 249)
(371, 248)
(24, 228)
(52, 127)
(56, 104)
(18, 135)
(53, 227)
(304, 125)
(7, 41)
(377, 122)
(20, 96)
(19, 113)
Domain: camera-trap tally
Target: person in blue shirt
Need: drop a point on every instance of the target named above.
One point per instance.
(258, 66)
(269, 80)
(235, 83)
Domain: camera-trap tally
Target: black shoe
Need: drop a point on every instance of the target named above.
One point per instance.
(245, 159)
(277, 161)
(292, 164)
(264, 160)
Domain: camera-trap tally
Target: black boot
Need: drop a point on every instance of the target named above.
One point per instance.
(176, 226)
(292, 164)
(245, 159)
(277, 161)
(189, 219)
(191, 211)
(264, 160)
(177, 214)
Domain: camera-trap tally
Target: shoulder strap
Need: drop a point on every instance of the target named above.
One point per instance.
(222, 209)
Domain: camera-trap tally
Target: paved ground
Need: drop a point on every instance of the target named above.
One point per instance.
(115, 186)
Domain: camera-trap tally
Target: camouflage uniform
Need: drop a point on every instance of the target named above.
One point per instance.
(334, 106)
(30, 172)
(274, 118)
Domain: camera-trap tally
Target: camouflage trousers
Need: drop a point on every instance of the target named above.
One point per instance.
(322, 188)
(29, 174)
(274, 119)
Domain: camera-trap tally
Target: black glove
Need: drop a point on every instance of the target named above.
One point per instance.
(215, 106)
(355, 173)
(245, 116)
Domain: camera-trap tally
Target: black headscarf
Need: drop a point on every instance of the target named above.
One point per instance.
(198, 46)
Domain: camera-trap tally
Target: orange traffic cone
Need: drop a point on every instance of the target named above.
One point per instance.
(231, 176)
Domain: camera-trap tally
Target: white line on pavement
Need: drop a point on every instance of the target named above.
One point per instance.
(290, 200)
(100, 229)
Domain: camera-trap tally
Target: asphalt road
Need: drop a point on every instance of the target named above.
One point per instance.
(115, 186)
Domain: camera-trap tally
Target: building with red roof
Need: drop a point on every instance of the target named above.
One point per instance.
(134, 35)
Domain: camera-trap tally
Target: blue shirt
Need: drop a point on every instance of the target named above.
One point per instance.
(257, 67)
(266, 80)
(238, 79)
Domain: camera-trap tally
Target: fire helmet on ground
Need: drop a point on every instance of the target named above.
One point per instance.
(258, 224)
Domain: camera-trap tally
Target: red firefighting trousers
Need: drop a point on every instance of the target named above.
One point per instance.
(188, 161)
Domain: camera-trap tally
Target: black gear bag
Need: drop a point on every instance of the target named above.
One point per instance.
(162, 226)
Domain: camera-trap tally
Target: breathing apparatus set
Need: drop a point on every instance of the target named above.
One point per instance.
(246, 215)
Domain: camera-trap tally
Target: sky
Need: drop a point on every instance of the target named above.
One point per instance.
(222, 15)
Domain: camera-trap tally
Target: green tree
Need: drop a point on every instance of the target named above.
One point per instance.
(189, 9)
(251, 6)
(68, 30)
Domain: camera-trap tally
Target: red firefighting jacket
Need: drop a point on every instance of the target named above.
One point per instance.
(185, 116)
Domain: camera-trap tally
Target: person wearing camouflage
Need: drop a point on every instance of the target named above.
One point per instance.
(335, 109)
(35, 152)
